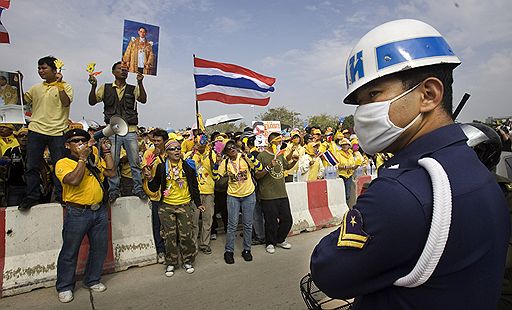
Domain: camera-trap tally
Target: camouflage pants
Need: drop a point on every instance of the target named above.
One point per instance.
(176, 230)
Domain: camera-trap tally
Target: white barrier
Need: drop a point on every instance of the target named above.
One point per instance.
(30, 243)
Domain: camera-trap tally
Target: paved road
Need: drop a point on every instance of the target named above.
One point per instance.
(271, 281)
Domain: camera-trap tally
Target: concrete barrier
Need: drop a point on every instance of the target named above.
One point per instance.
(316, 204)
(360, 182)
(132, 234)
(30, 243)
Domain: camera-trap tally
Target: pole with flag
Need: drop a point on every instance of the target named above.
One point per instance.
(231, 84)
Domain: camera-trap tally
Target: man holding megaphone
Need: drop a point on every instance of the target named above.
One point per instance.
(120, 103)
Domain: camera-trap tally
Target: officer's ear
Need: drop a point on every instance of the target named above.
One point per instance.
(431, 96)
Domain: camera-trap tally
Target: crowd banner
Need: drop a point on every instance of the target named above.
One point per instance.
(30, 243)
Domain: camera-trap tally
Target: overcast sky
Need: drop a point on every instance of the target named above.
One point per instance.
(304, 44)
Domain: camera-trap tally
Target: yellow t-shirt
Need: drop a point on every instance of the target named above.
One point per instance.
(299, 151)
(345, 159)
(178, 194)
(186, 146)
(120, 93)
(154, 196)
(240, 183)
(88, 192)
(49, 116)
(204, 171)
(7, 143)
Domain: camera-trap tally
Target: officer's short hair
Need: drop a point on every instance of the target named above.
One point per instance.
(114, 65)
(49, 60)
(443, 72)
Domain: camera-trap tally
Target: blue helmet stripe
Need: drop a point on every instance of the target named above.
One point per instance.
(411, 49)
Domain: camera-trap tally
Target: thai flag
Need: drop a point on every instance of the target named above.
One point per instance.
(4, 36)
(4, 4)
(328, 157)
(231, 84)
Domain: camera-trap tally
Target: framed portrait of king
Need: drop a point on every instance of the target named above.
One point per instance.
(11, 107)
(140, 47)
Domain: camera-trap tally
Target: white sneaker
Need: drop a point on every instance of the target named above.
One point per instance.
(270, 249)
(66, 296)
(98, 288)
(284, 245)
(160, 258)
(169, 271)
(189, 268)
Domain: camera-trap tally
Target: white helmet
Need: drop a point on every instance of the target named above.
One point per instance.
(395, 46)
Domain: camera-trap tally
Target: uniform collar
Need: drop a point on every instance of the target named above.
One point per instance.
(426, 145)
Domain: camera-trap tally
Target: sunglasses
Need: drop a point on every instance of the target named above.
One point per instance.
(22, 136)
(174, 148)
(83, 140)
(230, 147)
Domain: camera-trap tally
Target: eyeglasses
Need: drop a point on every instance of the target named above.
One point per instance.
(230, 147)
(174, 148)
(22, 136)
(83, 140)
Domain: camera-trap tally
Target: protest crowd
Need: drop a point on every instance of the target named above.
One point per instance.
(199, 183)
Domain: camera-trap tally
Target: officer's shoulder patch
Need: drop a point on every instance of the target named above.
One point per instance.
(352, 235)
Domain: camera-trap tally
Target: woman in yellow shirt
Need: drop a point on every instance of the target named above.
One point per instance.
(310, 165)
(176, 179)
(237, 166)
(346, 164)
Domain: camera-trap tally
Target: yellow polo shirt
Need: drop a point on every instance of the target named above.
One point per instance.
(49, 116)
(177, 194)
(240, 183)
(154, 196)
(204, 171)
(120, 93)
(88, 192)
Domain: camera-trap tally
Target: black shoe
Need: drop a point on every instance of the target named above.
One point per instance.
(246, 254)
(256, 241)
(228, 258)
(206, 249)
(26, 204)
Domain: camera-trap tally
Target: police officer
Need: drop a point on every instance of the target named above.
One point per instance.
(487, 144)
(399, 248)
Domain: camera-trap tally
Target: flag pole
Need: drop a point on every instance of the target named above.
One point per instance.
(197, 103)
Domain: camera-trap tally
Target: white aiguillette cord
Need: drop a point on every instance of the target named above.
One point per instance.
(439, 227)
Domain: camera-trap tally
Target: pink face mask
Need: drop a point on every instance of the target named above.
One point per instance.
(355, 147)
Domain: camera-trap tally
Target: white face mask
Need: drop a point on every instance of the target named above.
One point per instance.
(373, 127)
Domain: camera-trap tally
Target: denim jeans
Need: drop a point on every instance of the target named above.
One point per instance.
(130, 144)
(77, 223)
(155, 221)
(258, 222)
(234, 205)
(35, 149)
(348, 187)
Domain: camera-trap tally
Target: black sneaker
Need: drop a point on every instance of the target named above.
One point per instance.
(246, 254)
(228, 258)
(257, 241)
(26, 204)
(206, 249)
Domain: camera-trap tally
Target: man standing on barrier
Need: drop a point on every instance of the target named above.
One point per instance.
(86, 212)
(120, 99)
(399, 247)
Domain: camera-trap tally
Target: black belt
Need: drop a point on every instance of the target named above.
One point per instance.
(93, 207)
